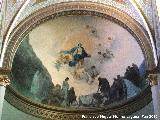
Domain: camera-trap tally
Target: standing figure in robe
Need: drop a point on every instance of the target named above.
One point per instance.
(65, 89)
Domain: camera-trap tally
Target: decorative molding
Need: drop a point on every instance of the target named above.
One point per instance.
(54, 113)
(126, 8)
(71, 9)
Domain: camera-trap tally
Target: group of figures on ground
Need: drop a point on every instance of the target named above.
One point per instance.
(133, 74)
(117, 91)
(61, 96)
(105, 94)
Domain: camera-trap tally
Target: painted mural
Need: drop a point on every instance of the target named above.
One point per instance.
(80, 62)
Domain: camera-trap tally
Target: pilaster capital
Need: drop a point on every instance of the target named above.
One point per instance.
(153, 79)
(4, 79)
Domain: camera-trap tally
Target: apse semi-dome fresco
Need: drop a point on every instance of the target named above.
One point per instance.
(78, 62)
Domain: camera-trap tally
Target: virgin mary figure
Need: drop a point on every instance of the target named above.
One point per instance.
(78, 54)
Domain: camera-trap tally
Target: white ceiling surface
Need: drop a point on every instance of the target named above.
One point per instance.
(158, 7)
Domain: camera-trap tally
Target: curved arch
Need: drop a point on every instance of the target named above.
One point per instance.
(136, 6)
(11, 27)
(78, 8)
(133, 2)
(37, 17)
